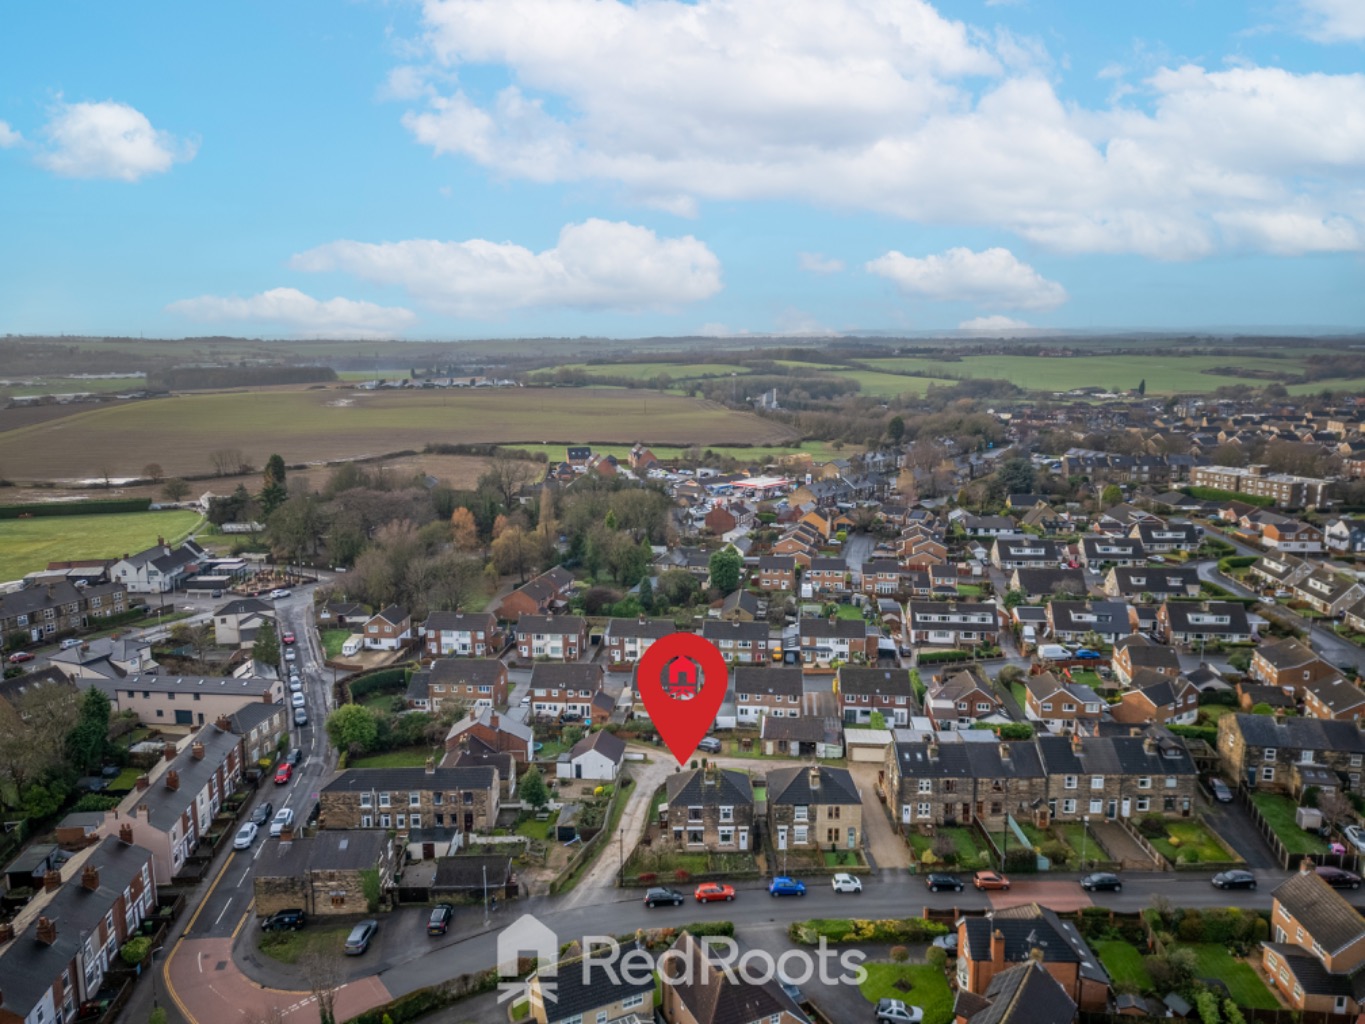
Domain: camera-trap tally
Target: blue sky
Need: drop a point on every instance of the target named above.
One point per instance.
(462, 168)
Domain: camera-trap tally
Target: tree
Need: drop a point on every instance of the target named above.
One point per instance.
(198, 637)
(725, 566)
(1016, 476)
(895, 429)
(1014, 597)
(274, 493)
(1112, 495)
(323, 973)
(352, 727)
(266, 649)
(175, 488)
(876, 720)
(153, 472)
(533, 790)
(464, 531)
(646, 595)
(87, 740)
(295, 527)
(1142, 386)
(226, 461)
(513, 552)
(1333, 805)
(506, 475)
(678, 587)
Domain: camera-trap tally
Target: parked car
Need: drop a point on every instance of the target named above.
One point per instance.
(947, 943)
(69, 643)
(298, 700)
(1221, 791)
(1102, 880)
(1338, 878)
(844, 882)
(439, 921)
(785, 885)
(661, 894)
(359, 939)
(300, 717)
(985, 880)
(284, 817)
(294, 757)
(19, 657)
(246, 835)
(289, 654)
(1235, 879)
(1085, 654)
(283, 773)
(275, 595)
(709, 744)
(893, 1011)
(288, 638)
(261, 815)
(295, 684)
(937, 881)
(290, 919)
(710, 892)
(1355, 835)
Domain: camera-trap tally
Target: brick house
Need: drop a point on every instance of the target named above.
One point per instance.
(1026, 553)
(462, 635)
(1152, 583)
(775, 572)
(742, 643)
(709, 808)
(883, 577)
(824, 641)
(390, 630)
(932, 782)
(559, 638)
(1317, 946)
(989, 946)
(958, 701)
(1117, 776)
(814, 808)
(1157, 697)
(407, 798)
(1338, 699)
(739, 606)
(476, 683)
(627, 640)
(1115, 551)
(323, 874)
(826, 575)
(700, 991)
(1023, 994)
(1191, 622)
(45, 610)
(720, 521)
(1289, 664)
(767, 691)
(1136, 652)
(564, 689)
(953, 623)
(861, 691)
(261, 727)
(540, 596)
(1061, 706)
(56, 951)
(1328, 593)
(490, 732)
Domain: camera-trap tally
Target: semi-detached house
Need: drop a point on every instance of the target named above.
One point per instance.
(564, 689)
(825, 641)
(744, 643)
(557, 637)
(862, 691)
(627, 640)
(1317, 948)
(44, 610)
(465, 799)
(953, 623)
(776, 692)
(461, 635)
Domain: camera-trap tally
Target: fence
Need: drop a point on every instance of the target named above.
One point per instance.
(1288, 861)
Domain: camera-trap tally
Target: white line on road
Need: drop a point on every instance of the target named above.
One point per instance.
(225, 908)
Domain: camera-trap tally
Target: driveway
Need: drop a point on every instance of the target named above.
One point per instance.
(1120, 846)
(886, 849)
(1232, 822)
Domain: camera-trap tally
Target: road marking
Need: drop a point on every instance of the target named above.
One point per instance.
(166, 967)
(225, 907)
(245, 914)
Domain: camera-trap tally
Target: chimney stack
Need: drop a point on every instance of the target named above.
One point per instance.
(90, 878)
(125, 834)
(47, 931)
(143, 781)
(1306, 866)
(492, 720)
(815, 777)
(197, 751)
(52, 881)
(223, 724)
(168, 751)
(172, 780)
(1076, 741)
(1004, 751)
(998, 949)
(431, 766)
(6, 932)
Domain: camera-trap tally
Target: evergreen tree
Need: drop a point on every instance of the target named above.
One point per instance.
(533, 790)
(266, 649)
(1142, 386)
(726, 565)
(646, 596)
(273, 492)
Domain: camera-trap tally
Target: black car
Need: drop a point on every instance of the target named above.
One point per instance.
(264, 811)
(1337, 878)
(294, 757)
(285, 920)
(1236, 879)
(661, 894)
(1102, 880)
(439, 921)
(937, 882)
(1220, 790)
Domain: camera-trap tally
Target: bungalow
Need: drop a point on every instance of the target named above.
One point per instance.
(557, 638)
(988, 526)
(811, 735)
(742, 643)
(740, 606)
(598, 755)
(1190, 622)
(390, 630)
(1075, 620)
(1040, 584)
(1152, 583)
(953, 623)
(1025, 553)
(862, 691)
(462, 634)
(338, 614)
(814, 808)
(1280, 571)
(1061, 706)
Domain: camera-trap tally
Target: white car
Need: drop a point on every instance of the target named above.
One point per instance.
(297, 700)
(295, 685)
(289, 654)
(1355, 835)
(246, 835)
(893, 1011)
(844, 882)
(284, 817)
(70, 642)
(275, 595)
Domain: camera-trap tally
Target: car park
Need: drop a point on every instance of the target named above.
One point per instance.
(937, 882)
(290, 919)
(261, 815)
(785, 885)
(1234, 879)
(986, 880)
(1102, 881)
(1221, 791)
(1338, 878)
(844, 882)
(359, 939)
(283, 819)
(1355, 835)
(283, 773)
(712, 892)
(246, 835)
(893, 1011)
(439, 921)
(298, 700)
(660, 895)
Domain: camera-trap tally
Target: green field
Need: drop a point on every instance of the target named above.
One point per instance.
(646, 371)
(820, 451)
(30, 544)
(888, 385)
(1279, 812)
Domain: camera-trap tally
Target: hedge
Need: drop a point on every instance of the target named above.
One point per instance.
(932, 657)
(1207, 733)
(903, 929)
(77, 508)
(1214, 494)
(423, 1001)
(1237, 562)
(384, 679)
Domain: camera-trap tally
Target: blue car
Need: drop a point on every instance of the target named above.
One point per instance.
(784, 886)
(1085, 655)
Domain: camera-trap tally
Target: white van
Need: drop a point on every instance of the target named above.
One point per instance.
(352, 645)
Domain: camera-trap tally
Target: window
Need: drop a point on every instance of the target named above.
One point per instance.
(365, 800)
(800, 833)
(694, 814)
(801, 813)
(1096, 806)
(1268, 773)
(923, 810)
(402, 821)
(366, 821)
(1269, 754)
(415, 820)
(414, 799)
(1145, 782)
(1068, 806)
(926, 785)
(1171, 781)
(727, 836)
(383, 800)
(1070, 782)
(631, 1002)
(1069, 708)
(1097, 782)
(1047, 706)
(727, 813)
(1144, 803)
(385, 821)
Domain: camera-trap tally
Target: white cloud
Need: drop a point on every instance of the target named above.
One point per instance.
(595, 265)
(8, 136)
(993, 276)
(888, 107)
(299, 313)
(1333, 21)
(108, 140)
(996, 323)
(1291, 232)
(814, 263)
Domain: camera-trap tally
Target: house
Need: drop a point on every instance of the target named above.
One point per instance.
(1148, 771)
(814, 807)
(1136, 651)
(740, 606)
(1026, 993)
(1344, 536)
(767, 691)
(56, 951)
(324, 874)
(1152, 583)
(43, 611)
(826, 641)
(546, 593)
(627, 640)
(559, 638)
(1289, 664)
(1157, 697)
(339, 614)
(105, 658)
(884, 577)
(173, 804)
(598, 755)
(742, 643)
(960, 700)
(578, 455)
(461, 635)
(953, 623)
(564, 689)
(408, 798)
(988, 946)
(810, 735)
(574, 991)
(1025, 553)
(159, 569)
(1167, 538)
(189, 701)
(1280, 571)
(1110, 621)
(1317, 948)
(862, 691)
(1061, 706)
(641, 459)
(826, 576)
(775, 572)
(1328, 593)
(262, 726)
(1114, 551)
(1279, 754)
(477, 683)
(1292, 535)
(892, 614)
(988, 526)
(697, 990)
(932, 782)
(1190, 622)
(390, 630)
(709, 808)
(1037, 584)
(720, 520)
(236, 623)
(1338, 699)
(488, 731)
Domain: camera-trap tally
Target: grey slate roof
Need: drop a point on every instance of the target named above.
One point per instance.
(969, 760)
(244, 606)
(884, 682)
(1025, 994)
(648, 629)
(1115, 755)
(458, 622)
(844, 629)
(1300, 733)
(165, 806)
(690, 788)
(1180, 612)
(1331, 921)
(248, 687)
(608, 744)
(793, 786)
(329, 850)
(580, 992)
(466, 670)
(572, 675)
(560, 624)
(719, 629)
(712, 998)
(366, 780)
(771, 682)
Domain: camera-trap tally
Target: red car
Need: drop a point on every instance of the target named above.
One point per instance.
(709, 892)
(288, 638)
(283, 773)
(990, 880)
(20, 656)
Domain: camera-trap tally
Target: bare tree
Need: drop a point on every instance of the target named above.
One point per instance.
(322, 971)
(1333, 805)
(227, 461)
(506, 475)
(153, 472)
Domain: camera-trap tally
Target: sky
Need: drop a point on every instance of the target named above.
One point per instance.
(530, 168)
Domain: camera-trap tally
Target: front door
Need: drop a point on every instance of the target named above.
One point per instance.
(781, 837)
(469, 821)
(1111, 811)
(852, 837)
(1127, 807)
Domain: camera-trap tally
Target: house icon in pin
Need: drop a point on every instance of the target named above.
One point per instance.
(682, 678)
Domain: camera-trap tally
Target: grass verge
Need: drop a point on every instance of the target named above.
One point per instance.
(290, 947)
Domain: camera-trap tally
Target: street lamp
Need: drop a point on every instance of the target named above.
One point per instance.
(485, 895)
(1085, 837)
(622, 844)
(155, 1004)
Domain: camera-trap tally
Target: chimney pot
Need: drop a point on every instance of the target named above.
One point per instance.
(143, 782)
(1306, 866)
(52, 881)
(6, 933)
(431, 766)
(168, 751)
(90, 878)
(223, 724)
(172, 780)
(197, 751)
(493, 720)
(47, 931)
(998, 949)
(125, 834)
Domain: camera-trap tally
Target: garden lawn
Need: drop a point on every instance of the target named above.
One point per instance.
(290, 947)
(1019, 693)
(1124, 963)
(332, 641)
(970, 855)
(1086, 678)
(928, 988)
(533, 829)
(969, 590)
(1193, 835)
(1214, 961)
(1279, 812)
(849, 611)
(408, 757)
(1075, 835)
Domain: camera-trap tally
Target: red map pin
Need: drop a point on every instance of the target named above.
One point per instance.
(682, 680)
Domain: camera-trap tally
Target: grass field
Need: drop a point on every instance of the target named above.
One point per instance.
(888, 385)
(332, 641)
(313, 424)
(408, 757)
(645, 371)
(821, 451)
(1279, 811)
(1124, 963)
(29, 544)
(922, 985)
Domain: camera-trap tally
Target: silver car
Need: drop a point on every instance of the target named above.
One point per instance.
(359, 939)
